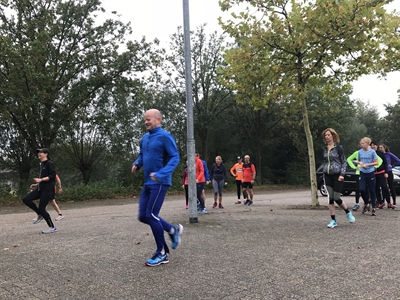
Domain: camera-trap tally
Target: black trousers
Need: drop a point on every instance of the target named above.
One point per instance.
(381, 184)
(239, 188)
(391, 186)
(45, 197)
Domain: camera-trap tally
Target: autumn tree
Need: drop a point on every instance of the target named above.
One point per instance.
(289, 47)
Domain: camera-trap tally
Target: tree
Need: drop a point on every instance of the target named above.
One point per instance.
(292, 46)
(210, 97)
(55, 59)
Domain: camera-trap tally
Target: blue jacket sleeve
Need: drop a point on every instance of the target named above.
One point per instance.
(172, 158)
(206, 172)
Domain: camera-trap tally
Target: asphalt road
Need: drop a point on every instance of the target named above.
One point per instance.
(279, 248)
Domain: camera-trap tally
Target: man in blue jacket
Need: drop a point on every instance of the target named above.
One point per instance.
(159, 156)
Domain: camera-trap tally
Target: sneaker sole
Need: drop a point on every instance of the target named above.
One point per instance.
(179, 237)
(155, 265)
(49, 232)
(331, 226)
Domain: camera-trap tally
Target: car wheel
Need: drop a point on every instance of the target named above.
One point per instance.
(323, 190)
(346, 193)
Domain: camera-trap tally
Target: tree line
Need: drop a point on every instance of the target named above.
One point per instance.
(81, 88)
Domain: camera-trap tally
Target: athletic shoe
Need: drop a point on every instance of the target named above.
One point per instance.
(390, 205)
(59, 218)
(356, 207)
(238, 202)
(373, 212)
(350, 217)
(50, 230)
(37, 220)
(215, 205)
(332, 224)
(220, 205)
(365, 209)
(246, 201)
(380, 206)
(249, 202)
(187, 206)
(176, 237)
(203, 211)
(394, 205)
(156, 260)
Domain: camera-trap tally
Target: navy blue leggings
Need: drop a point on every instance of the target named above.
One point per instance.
(368, 180)
(150, 203)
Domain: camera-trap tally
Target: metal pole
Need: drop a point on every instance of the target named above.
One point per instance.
(189, 110)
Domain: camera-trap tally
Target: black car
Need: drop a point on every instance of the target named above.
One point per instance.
(350, 181)
(349, 185)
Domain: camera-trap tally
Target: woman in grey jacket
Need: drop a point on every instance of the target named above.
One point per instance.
(334, 169)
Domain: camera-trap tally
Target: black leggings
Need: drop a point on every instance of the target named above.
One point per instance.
(239, 188)
(186, 193)
(45, 197)
(391, 186)
(381, 184)
(199, 190)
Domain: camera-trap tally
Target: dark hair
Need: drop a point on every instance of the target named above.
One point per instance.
(385, 147)
(374, 143)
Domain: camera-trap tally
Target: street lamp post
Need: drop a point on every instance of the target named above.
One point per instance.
(189, 110)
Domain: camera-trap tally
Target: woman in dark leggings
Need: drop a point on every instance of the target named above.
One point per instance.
(43, 189)
(392, 160)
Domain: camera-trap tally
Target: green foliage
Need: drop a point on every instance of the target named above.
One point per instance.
(210, 98)
(287, 48)
(55, 60)
(98, 190)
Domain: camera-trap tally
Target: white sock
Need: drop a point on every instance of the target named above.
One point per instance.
(172, 231)
(162, 252)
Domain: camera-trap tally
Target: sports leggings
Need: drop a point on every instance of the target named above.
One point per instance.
(218, 186)
(239, 188)
(45, 197)
(391, 186)
(368, 180)
(150, 203)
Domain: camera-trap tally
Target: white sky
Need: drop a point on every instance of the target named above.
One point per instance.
(160, 19)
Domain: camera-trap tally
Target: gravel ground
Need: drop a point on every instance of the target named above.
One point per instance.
(278, 248)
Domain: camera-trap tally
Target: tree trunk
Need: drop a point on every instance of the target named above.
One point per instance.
(311, 156)
(258, 163)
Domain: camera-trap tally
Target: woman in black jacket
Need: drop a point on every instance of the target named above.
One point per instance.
(219, 179)
(43, 189)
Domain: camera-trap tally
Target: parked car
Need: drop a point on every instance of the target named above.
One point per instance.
(350, 180)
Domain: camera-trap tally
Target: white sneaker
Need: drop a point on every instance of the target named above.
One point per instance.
(59, 218)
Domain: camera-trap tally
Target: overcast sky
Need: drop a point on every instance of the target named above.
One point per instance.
(160, 18)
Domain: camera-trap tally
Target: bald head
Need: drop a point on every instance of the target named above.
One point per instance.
(152, 119)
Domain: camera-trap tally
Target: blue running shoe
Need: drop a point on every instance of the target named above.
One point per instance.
(37, 220)
(332, 224)
(157, 260)
(249, 202)
(176, 237)
(203, 211)
(356, 207)
(50, 230)
(350, 217)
